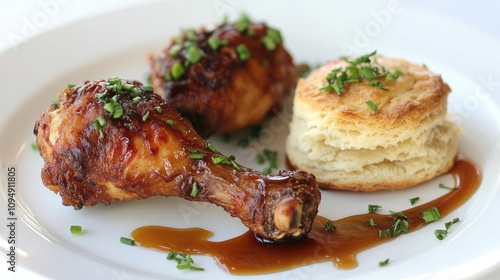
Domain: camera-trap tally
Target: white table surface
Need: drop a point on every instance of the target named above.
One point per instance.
(483, 15)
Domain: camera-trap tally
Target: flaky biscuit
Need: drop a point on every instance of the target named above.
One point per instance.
(348, 146)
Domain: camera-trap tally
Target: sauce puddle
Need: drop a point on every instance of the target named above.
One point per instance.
(245, 255)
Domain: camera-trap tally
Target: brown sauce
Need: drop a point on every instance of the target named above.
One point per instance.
(245, 255)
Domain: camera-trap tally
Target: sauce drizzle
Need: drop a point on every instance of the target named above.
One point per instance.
(245, 255)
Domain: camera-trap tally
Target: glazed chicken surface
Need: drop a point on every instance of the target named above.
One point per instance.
(114, 140)
(226, 78)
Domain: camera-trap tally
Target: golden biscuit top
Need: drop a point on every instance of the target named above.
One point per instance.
(415, 93)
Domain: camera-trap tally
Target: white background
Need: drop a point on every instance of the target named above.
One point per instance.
(482, 14)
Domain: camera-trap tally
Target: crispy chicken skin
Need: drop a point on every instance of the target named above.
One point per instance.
(110, 140)
(225, 90)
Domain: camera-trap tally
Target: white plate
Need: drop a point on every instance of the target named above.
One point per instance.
(117, 44)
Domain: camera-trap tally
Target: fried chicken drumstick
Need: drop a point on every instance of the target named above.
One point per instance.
(115, 140)
(226, 78)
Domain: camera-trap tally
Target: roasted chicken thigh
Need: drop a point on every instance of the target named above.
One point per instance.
(114, 140)
(226, 78)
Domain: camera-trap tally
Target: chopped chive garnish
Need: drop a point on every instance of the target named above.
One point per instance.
(372, 222)
(101, 96)
(219, 159)
(414, 200)
(102, 121)
(114, 80)
(250, 32)
(114, 108)
(259, 159)
(275, 35)
(377, 84)
(431, 215)
(225, 19)
(183, 261)
(174, 49)
(383, 233)
(398, 214)
(241, 26)
(271, 156)
(401, 225)
(440, 233)
(194, 54)
(243, 52)
(135, 91)
(170, 122)
(34, 146)
(362, 59)
(384, 262)
(367, 72)
(177, 70)
(359, 68)
(190, 34)
(226, 137)
(243, 142)
(255, 131)
(450, 223)
(145, 116)
(101, 133)
(158, 110)
(271, 39)
(329, 226)
(127, 241)
(235, 165)
(210, 146)
(75, 229)
(136, 100)
(196, 156)
(225, 160)
(372, 106)
(194, 190)
(172, 255)
(109, 107)
(244, 18)
(71, 85)
(96, 125)
(127, 86)
(147, 88)
(192, 150)
(267, 171)
(215, 43)
(268, 43)
(394, 75)
(443, 186)
(372, 208)
(184, 265)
